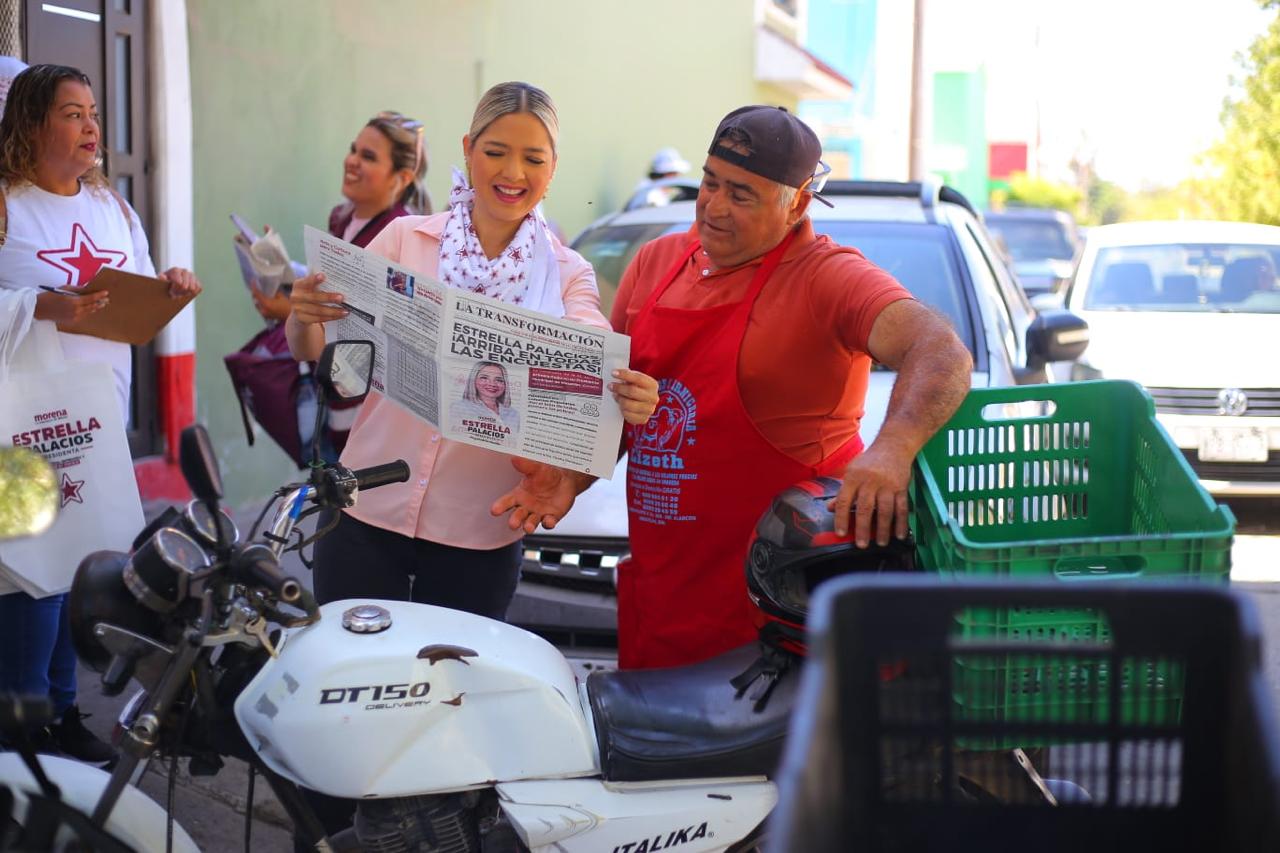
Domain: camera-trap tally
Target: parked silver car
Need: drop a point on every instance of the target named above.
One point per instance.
(1043, 243)
(929, 237)
(1192, 311)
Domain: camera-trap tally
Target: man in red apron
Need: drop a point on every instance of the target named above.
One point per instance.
(761, 335)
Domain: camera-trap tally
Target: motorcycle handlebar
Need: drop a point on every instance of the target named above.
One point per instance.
(257, 564)
(382, 475)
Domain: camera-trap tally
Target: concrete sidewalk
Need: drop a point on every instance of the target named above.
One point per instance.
(211, 809)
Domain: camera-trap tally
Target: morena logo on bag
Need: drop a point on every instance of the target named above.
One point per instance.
(62, 440)
(70, 490)
(52, 439)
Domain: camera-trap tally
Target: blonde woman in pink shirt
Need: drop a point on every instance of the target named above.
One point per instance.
(434, 538)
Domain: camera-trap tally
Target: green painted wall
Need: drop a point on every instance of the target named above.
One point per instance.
(959, 125)
(279, 89)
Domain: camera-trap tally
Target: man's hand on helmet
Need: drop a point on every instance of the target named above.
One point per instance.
(875, 486)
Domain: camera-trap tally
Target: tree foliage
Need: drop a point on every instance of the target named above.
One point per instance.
(1037, 192)
(1107, 202)
(1247, 160)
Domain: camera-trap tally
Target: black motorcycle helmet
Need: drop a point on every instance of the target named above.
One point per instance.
(795, 548)
(99, 595)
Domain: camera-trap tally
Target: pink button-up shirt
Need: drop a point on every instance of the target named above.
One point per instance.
(451, 486)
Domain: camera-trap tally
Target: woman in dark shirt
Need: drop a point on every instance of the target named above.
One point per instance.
(382, 179)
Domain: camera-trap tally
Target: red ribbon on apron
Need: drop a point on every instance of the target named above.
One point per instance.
(699, 476)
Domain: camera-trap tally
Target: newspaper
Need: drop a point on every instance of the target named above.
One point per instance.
(482, 371)
(264, 260)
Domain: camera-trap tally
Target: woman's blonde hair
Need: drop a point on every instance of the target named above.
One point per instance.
(26, 110)
(515, 97)
(408, 151)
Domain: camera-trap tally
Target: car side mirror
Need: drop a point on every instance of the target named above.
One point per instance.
(200, 465)
(1051, 301)
(345, 370)
(28, 493)
(1056, 335)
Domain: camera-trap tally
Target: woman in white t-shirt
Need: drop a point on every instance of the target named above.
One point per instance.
(64, 223)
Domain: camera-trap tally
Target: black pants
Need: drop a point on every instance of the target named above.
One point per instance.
(358, 560)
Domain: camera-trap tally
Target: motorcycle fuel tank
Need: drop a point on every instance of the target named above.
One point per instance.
(439, 700)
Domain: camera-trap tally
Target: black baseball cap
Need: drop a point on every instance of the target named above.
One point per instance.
(779, 146)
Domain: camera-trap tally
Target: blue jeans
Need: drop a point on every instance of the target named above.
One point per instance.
(36, 655)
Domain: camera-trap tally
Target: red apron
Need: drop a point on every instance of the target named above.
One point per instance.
(699, 476)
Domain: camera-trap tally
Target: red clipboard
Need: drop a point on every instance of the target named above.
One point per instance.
(139, 308)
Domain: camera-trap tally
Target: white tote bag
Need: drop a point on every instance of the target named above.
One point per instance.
(68, 412)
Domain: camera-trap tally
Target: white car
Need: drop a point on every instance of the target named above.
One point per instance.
(1191, 310)
(929, 237)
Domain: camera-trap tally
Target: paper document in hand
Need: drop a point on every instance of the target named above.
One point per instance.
(139, 307)
(244, 228)
(247, 271)
(482, 371)
(263, 260)
(241, 241)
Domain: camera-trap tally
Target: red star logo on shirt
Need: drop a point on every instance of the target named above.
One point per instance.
(71, 490)
(82, 259)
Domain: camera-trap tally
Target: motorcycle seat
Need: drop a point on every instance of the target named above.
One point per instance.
(689, 722)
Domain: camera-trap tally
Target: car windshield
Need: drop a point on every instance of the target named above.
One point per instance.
(610, 249)
(1204, 277)
(1033, 239)
(918, 256)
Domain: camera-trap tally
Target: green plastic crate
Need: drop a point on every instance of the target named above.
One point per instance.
(1075, 482)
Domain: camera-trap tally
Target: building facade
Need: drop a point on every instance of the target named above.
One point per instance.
(249, 107)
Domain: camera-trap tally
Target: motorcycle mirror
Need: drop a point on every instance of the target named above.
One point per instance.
(199, 465)
(346, 370)
(28, 493)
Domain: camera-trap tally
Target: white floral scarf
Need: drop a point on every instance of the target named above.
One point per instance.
(525, 274)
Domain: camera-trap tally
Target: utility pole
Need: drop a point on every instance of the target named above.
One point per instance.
(915, 155)
(1038, 64)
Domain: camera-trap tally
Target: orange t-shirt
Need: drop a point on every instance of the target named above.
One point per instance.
(803, 367)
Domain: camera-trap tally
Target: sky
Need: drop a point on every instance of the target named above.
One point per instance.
(1139, 84)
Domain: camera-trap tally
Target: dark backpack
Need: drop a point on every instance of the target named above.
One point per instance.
(268, 383)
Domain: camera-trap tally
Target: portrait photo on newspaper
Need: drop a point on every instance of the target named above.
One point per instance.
(485, 408)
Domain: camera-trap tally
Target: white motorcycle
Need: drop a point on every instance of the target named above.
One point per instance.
(454, 732)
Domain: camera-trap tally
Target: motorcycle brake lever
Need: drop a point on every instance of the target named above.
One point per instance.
(258, 628)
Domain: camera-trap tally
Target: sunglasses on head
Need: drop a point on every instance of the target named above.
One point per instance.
(399, 119)
(403, 122)
(815, 182)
